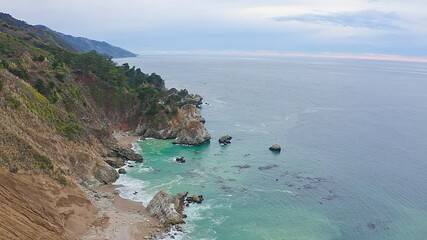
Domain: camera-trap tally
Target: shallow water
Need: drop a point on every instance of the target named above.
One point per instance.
(353, 161)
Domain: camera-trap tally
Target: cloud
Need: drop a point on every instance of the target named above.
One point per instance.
(353, 26)
(370, 19)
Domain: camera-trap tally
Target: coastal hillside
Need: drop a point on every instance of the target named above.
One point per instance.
(54, 38)
(59, 111)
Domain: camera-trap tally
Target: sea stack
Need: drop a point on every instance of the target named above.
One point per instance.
(275, 148)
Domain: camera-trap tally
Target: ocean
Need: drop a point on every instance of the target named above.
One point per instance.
(353, 163)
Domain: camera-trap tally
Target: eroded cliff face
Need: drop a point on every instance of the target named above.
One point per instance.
(168, 208)
(58, 112)
(186, 127)
(36, 207)
(41, 199)
(32, 141)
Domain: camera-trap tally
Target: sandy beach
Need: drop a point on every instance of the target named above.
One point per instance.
(120, 218)
(125, 139)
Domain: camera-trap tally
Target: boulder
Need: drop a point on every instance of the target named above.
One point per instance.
(123, 153)
(104, 173)
(115, 162)
(225, 140)
(164, 207)
(129, 154)
(194, 199)
(122, 171)
(275, 148)
(180, 159)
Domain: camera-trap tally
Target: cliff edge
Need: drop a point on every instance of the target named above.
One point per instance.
(59, 111)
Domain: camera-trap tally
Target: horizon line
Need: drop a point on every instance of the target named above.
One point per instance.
(263, 53)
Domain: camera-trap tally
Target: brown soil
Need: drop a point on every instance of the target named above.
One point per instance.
(35, 207)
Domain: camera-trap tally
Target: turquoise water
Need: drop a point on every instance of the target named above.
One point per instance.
(354, 146)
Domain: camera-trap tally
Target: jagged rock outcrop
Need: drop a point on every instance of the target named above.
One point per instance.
(115, 162)
(167, 208)
(58, 113)
(185, 97)
(186, 127)
(193, 131)
(114, 153)
(193, 99)
(225, 140)
(194, 199)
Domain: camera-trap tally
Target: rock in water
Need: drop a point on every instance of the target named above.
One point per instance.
(195, 199)
(225, 140)
(275, 148)
(186, 126)
(180, 159)
(165, 207)
(193, 131)
(122, 171)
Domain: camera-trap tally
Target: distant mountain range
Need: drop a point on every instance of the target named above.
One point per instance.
(68, 42)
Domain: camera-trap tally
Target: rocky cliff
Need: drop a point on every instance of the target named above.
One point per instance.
(186, 126)
(58, 111)
(168, 208)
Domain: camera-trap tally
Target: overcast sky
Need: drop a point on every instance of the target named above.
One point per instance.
(389, 27)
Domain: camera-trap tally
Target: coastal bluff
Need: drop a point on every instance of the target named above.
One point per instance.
(186, 126)
(60, 109)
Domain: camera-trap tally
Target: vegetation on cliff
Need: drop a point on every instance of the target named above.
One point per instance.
(59, 108)
(84, 95)
(47, 35)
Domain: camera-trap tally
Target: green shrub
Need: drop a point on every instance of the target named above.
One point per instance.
(21, 73)
(153, 109)
(13, 102)
(43, 162)
(174, 111)
(61, 180)
(4, 63)
(60, 76)
(39, 58)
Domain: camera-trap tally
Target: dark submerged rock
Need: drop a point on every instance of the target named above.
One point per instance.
(267, 167)
(225, 140)
(180, 159)
(122, 171)
(242, 166)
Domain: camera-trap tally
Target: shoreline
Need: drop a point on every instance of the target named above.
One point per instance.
(125, 139)
(120, 218)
